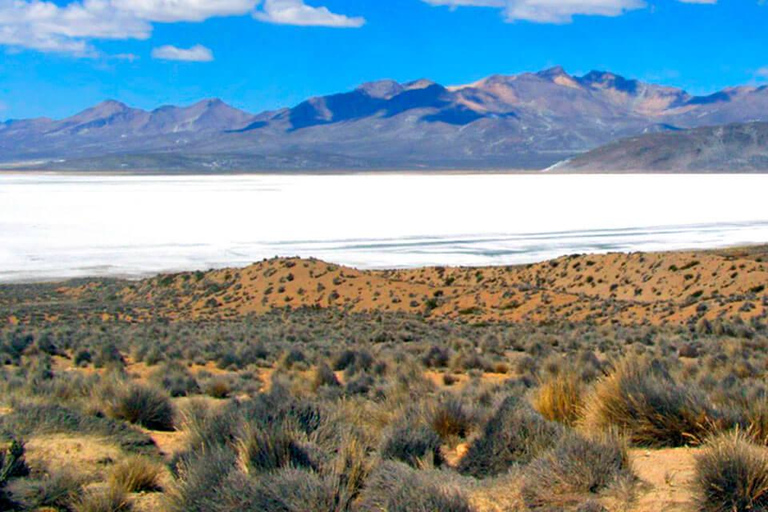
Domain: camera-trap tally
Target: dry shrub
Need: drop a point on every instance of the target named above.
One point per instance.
(136, 474)
(516, 434)
(324, 376)
(395, 487)
(560, 398)
(416, 445)
(643, 403)
(575, 471)
(731, 475)
(451, 419)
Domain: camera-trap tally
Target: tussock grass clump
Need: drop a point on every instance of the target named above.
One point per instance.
(645, 404)
(136, 474)
(560, 398)
(59, 491)
(263, 450)
(395, 487)
(575, 470)
(412, 444)
(515, 434)
(141, 405)
(731, 475)
(106, 499)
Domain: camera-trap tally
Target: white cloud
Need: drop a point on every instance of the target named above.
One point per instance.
(197, 53)
(468, 3)
(762, 72)
(562, 11)
(169, 11)
(46, 26)
(296, 12)
(555, 11)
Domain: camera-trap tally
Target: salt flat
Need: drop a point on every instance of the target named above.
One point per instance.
(60, 226)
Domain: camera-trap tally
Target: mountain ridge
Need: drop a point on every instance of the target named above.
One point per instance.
(529, 120)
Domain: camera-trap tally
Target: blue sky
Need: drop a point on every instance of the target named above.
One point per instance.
(57, 58)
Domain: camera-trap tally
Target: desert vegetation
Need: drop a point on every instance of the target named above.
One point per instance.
(309, 408)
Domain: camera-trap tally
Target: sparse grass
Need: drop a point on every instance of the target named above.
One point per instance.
(731, 475)
(29, 419)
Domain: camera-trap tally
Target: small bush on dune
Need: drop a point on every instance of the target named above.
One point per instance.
(565, 476)
(646, 405)
(731, 474)
(142, 405)
(136, 474)
(414, 445)
(560, 398)
(514, 435)
(395, 487)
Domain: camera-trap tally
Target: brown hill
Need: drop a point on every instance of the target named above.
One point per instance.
(675, 287)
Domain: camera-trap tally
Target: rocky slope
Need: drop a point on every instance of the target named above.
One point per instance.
(730, 148)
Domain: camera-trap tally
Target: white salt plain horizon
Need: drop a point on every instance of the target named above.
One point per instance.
(57, 226)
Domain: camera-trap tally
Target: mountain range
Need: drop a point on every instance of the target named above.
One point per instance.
(525, 121)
